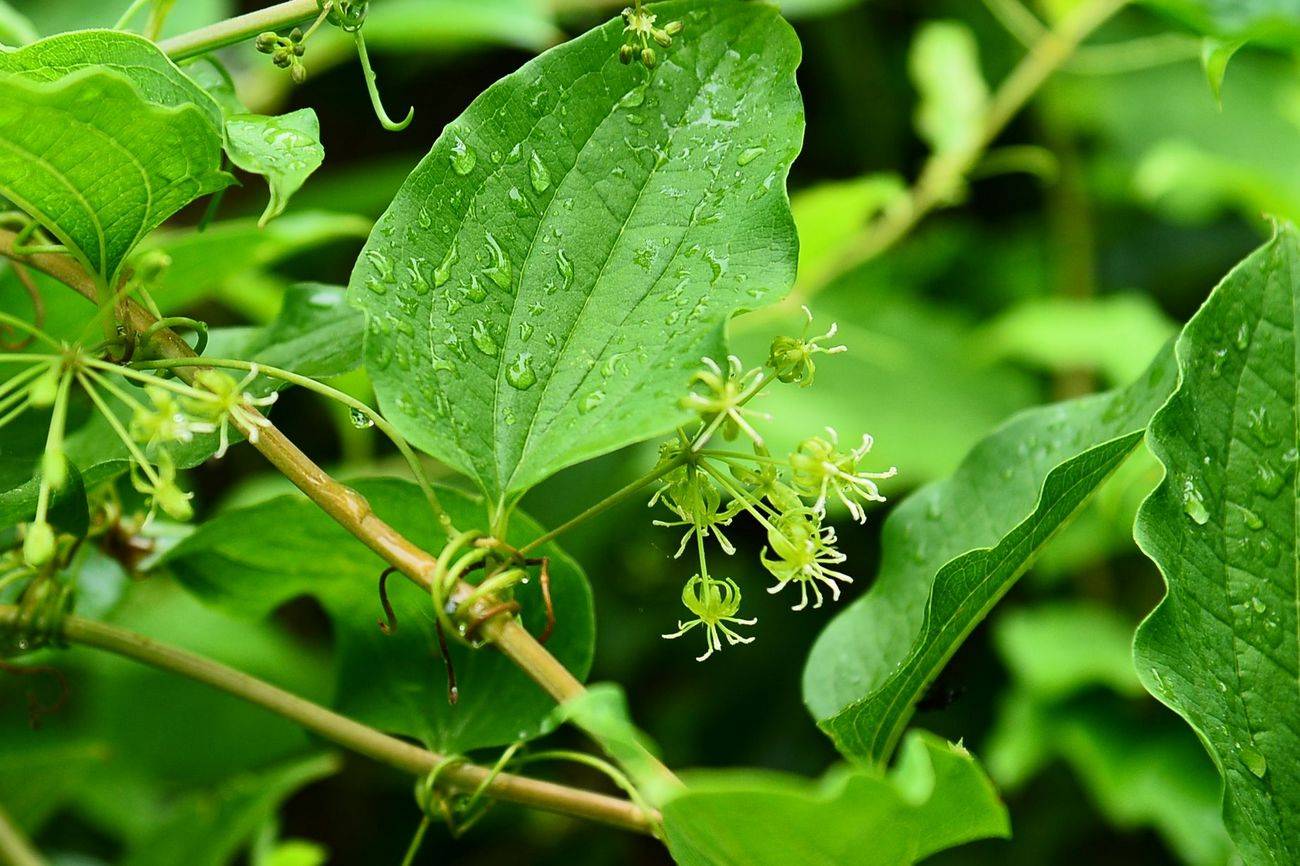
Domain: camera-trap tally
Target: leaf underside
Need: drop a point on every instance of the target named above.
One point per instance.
(1221, 648)
(955, 547)
(552, 271)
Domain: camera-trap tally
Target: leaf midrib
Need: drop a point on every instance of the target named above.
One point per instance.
(671, 138)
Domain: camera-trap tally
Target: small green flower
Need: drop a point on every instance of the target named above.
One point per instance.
(791, 358)
(692, 496)
(720, 397)
(224, 401)
(159, 484)
(641, 30)
(166, 422)
(804, 549)
(38, 543)
(819, 468)
(715, 604)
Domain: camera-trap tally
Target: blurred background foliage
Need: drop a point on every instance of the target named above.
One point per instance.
(1100, 218)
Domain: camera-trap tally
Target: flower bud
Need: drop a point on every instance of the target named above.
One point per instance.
(672, 28)
(788, 358)
(54, 468)
(299, 50)
(280, 57)
(626, 53)
(295, 35)
(38, 546)
(265, 42)
(174, 502)
(298, 73)
(648, 58)
(42, 392)
(662, 37)
(150, 265)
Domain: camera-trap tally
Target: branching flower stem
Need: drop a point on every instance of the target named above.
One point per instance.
(944, 172)
(345, 505)
(310, 384)
(351, 734)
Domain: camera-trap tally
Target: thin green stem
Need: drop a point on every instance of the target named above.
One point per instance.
(614, 774)
(348, 733)
(435, 505)
(239, 28)
(15, 322)
(726, 485)
(621, 495)
(130, 13)
(179, 388)
(943, 173)
(158, 18)
(143, 462)
(53, 443)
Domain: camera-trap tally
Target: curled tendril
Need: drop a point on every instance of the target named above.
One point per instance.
(372, 87)
(20, 342)
(199, 328)
(39, 622)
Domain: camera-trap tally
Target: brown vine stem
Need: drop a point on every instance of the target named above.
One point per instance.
(15, 848)
(345, 732)
(941, 178)
(345, 505)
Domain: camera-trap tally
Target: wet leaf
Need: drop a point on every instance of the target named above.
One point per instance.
(285, 150)
(551, 273)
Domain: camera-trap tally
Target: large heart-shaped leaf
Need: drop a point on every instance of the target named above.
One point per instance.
(1221, 649)
(576, 241)
(955, 547)
(937, 797)
(251, 560)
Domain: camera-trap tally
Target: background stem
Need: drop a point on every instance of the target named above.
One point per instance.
(344, 731)
(239, 28)
(15, 849)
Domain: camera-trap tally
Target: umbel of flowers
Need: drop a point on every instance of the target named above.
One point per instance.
(707, 488)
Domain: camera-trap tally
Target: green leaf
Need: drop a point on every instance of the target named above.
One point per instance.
(1138, 770)
(214, 262)
(68, 510)
(250, 561)
(130, 764)
(944, 65)
(936, 798)
(1044, 647)
(131, 164)
(284, 149)
(829, 214)
(1141, 769)
(954, 548)
(1215, 54)
(1221, 648)
(1114, 335)
(211, 74)
(549, 275)
(602, 712)
(316, 334)
(1271, 21)
(209, 828)
(156, 78)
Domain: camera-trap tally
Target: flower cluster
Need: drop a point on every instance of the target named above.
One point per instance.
(706, 489)
(286, 51)
(641, 31)
(168, 413)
